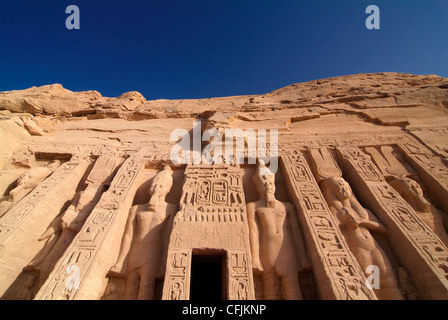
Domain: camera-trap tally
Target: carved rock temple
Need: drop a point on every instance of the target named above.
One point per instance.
(356, 207)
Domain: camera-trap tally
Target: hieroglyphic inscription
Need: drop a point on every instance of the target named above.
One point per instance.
(213, 194)
(192, 234)
(344, 275)
(239, 282)
(363, 165)
(357, 139)
(178, 284)
(397, 213)
(84, 247)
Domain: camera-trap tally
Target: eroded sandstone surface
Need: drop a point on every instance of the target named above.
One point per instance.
(94, 207)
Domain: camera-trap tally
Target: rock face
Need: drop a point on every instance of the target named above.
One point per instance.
(329, 189)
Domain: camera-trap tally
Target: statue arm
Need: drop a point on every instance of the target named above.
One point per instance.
(368, 219)
(70, 214)
(302, 258)
(85, 206)
(166, 236)
(254, 237)
(362, 212)
(332, 200)
(373, 224)
(119, 267)
(53, 228)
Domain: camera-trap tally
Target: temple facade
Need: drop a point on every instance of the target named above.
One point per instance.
(97, 209)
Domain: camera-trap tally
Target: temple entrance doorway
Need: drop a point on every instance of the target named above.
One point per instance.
(208, 276)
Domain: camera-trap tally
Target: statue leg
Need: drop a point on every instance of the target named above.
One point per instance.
(132, 285)
(49, 244)
(439, 221)
(270, 285)
(55, 254)
(291, 288)
(389, 288)
(388, 284)
(147, 284)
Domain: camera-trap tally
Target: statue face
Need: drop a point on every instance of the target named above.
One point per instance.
(347, 218)
(23, 180)
(415, 187)
(266, 183)
(343, 189)
(159, 189)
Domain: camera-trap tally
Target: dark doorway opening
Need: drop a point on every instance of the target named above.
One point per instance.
(207, 277)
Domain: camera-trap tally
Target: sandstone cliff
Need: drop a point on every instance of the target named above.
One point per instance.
(75, 166)
(417, 104)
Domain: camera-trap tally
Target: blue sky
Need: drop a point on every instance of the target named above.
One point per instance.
(177, 49)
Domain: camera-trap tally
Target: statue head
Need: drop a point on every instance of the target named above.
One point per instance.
(161, 184)
(412, 192)
(264, 179)
(414, 186)
(340, 187)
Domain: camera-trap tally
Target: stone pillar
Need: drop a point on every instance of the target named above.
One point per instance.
(212, 218)
(415, 245)
(338, 275)
(30, 217)
(80, 273)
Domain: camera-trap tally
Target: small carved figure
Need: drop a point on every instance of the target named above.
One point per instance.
(145, 240)
(241, 291)
(278, 250)
(176, 291)
(357, 222)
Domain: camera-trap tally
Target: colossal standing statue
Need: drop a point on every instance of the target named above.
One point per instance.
(357, 222)
(145, 240)
(278, 250)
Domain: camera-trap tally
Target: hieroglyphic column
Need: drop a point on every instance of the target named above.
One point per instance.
(178, 281)
(212, 217)
(81, 271)
(239, 275)
(418, 248)
(432, 171)
(338, 275)
(29, 218)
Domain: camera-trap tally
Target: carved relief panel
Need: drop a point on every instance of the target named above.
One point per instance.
(27, 220)
(91, 244)
(212, 216)
(334, 264)
(359, 226)
(425, 256)
(407, 181)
